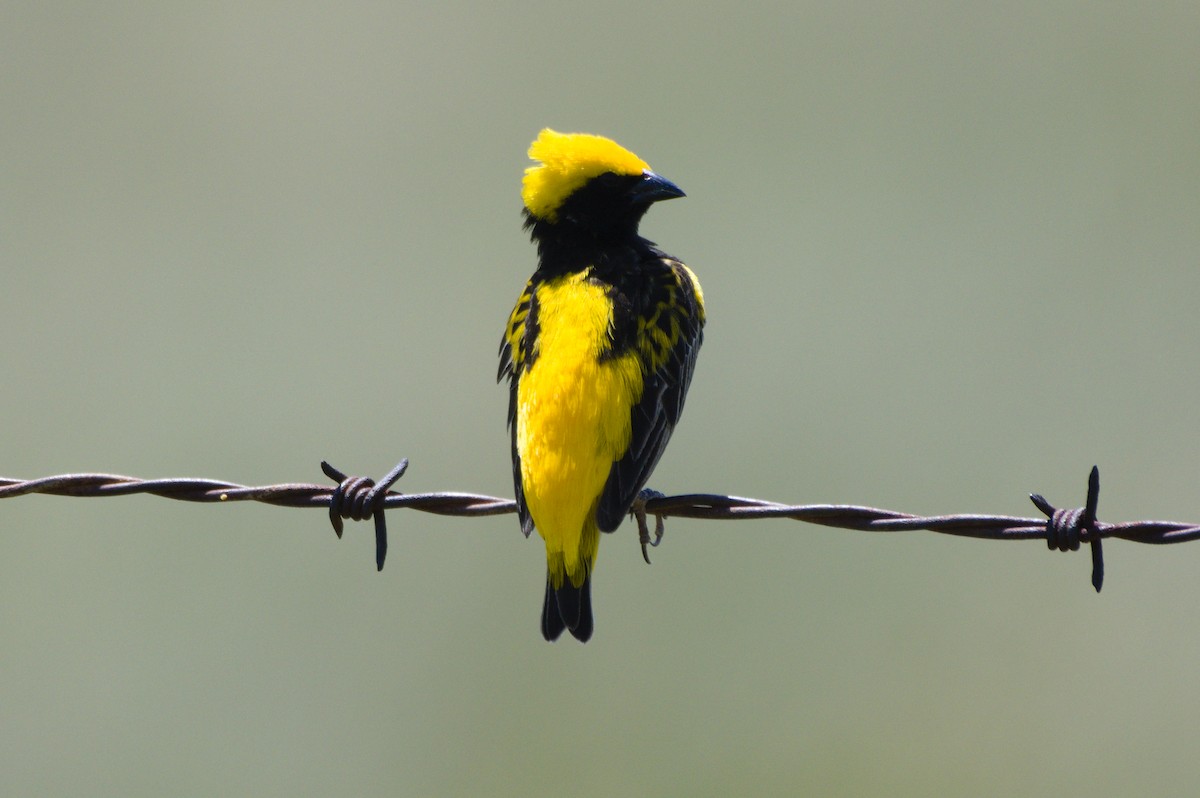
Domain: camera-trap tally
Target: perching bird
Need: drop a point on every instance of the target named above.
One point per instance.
(599, 353)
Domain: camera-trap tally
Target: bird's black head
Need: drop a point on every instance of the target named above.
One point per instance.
(586, 194)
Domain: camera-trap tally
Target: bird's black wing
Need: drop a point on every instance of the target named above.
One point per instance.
(515, 358)
(670, 331)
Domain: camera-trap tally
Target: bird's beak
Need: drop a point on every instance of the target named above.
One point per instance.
(653, 188)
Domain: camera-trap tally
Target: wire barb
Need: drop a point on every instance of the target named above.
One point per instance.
(1066, 529)
(359, 498)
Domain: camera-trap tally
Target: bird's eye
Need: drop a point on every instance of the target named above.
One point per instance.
(609, 180)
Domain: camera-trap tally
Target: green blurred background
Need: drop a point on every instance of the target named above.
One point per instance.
(950, 254)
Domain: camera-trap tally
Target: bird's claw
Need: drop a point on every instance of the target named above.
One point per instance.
(638, 511)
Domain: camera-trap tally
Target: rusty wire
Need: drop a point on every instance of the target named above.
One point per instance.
(361, 498)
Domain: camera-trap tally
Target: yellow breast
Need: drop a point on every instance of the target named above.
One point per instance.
(573, 419)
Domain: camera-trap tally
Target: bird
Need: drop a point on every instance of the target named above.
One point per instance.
(599, 353)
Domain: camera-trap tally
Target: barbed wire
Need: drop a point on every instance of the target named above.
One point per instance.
(361, 498)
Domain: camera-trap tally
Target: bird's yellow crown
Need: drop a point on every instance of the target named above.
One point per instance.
(567, 162)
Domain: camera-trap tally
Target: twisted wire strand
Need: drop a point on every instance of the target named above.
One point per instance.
(360, 498)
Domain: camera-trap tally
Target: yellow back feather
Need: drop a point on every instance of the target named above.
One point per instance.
(567, 161)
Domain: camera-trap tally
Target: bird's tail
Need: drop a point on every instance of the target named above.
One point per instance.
(568, 607)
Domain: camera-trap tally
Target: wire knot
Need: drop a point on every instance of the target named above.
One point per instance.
(1064, 529)
(360, 498)
(1067, 528)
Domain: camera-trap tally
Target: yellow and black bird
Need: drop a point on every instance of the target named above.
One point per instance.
(599, 353)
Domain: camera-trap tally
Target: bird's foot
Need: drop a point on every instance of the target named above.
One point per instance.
(638, 511)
